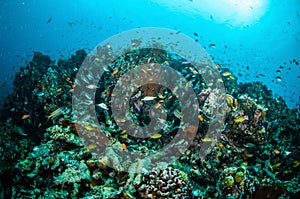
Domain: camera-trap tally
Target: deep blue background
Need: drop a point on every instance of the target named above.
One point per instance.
(76, 24)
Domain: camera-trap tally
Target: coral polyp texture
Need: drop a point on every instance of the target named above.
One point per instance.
(256, 155)
(168, 183)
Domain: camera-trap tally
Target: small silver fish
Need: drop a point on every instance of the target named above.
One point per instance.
(148, 98)
(102, 105)
(185, 62)
(40, 94)
(287, 152)
(88, 102)
(92, 86)
(278, 78)
(249, 145)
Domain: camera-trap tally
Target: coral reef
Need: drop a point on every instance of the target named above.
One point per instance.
(43, 156)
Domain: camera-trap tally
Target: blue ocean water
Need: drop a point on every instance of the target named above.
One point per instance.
(253, 38)
(47, 138)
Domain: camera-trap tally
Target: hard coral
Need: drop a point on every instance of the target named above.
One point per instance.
(168, 183)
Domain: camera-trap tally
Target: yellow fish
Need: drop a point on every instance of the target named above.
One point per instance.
(88, 127)
(249, 155)
(239, 120)
(55, 113)
(225, 74)
(156, 136)
(232, 77)
(296, 163)
(91, 146)
(287, 171)
(207, 139)
(277, 164)
(200, 117)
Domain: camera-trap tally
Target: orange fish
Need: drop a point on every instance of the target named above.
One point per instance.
(124, 146)
(114, 72)
(25, 116)
(157, 105)
(276, 151)
(58, 90)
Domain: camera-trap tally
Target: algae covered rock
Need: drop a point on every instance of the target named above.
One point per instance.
(236, 182)
(75, 172)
